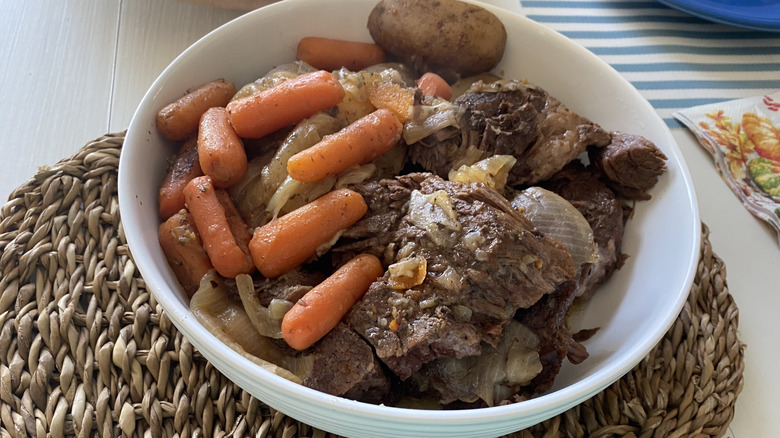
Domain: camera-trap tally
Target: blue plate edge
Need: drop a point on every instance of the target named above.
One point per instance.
(767, 24)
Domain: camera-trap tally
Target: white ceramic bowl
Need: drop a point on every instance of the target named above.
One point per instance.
(634, 309)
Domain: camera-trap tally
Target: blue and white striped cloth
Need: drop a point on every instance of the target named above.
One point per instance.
(674, 59)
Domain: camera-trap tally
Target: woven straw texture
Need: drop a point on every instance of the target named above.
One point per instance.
(85, 350)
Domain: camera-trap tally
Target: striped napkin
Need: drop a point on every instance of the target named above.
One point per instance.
(674, 59)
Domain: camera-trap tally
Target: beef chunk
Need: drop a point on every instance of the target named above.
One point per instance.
(547, 318)
(290, 286)
(344, 364)
(491, 378)
(483, 261)
(583, 188)
(524, 364)
(563, 136)
(512, 118)
(374, 233)
(631, 163)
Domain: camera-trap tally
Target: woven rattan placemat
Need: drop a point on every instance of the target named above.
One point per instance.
(85, 350)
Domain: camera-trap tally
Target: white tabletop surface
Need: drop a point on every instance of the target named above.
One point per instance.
(74, 70)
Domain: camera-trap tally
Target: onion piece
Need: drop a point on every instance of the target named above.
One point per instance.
(434, 214)
(266, 320)
(492, 171)
(306, 134)
(274, 77)
(428, 119)
(493, 376)
(556, 218)
(265, 178)
(292, 194)
(222, 314)
(407, 273)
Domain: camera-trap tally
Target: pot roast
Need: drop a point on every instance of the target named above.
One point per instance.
(471, 310)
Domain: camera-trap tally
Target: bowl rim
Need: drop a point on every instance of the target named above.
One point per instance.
(539, 406)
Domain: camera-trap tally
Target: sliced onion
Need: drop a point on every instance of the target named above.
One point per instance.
(558, 219)
(266, 320)
(222, 313)
(260, 195)
(292, 194)
(492, 171)
(434, 214)
(355, 175)
(355, 103)
(391, 163)
(306, 134)
(274, 77)
(407, 273)
(427, 120)
(493, 376)
(249, 194)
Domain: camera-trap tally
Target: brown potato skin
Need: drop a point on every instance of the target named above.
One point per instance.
(448, 37)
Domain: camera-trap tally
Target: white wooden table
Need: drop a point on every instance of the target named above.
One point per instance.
(74, 70)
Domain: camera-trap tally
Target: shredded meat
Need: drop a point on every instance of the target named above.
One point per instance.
(477, 275)
(512, 118)
(631, 164)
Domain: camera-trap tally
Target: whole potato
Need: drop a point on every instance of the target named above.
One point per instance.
(448, 37)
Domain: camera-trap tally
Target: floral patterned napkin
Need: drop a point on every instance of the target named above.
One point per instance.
(743, 137)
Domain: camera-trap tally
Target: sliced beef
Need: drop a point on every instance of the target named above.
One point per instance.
(631, 163)
(524, 364)
(547, 318)
(344, 364)
(513, 118)
(604, 212)
(387, 202)
(290, 286)
(484, 260)
(489, 379)
(564, 135)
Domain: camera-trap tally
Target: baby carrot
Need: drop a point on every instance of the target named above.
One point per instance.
(288, 241)
(183, 248)
(185, 167)
(212, 224)
(330, 54)
(178, 120)
(220, 150)
(321, 308)
(362, 141)
(289, 102)
(432, 84)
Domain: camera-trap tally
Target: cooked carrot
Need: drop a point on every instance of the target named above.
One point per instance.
(183, 248)
(289, 102)
(389, 95)
(432, 84)
(220, 150)
(290, 240)
(179, 119)
(362, 141)
(212, 224)
(184, 167)
(321, 308)
(331, 54)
